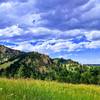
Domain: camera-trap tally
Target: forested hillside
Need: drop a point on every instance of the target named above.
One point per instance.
(34, 65)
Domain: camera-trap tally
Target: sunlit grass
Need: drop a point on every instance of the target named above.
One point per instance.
(7, 64)
(11, 89)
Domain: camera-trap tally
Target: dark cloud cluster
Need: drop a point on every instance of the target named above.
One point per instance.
(1, 1)
(45, 5)
(69, 14)
(54, 14)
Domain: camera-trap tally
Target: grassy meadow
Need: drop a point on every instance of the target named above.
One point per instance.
(20, 89)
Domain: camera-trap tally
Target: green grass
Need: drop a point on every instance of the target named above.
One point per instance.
(28, 89)
(7, 64)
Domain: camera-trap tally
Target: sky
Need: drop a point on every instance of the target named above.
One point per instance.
(58, 28)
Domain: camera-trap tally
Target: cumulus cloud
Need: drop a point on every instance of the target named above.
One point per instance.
(93, 35)
(92, 45)
(46, 40)
(49, 46)
(11, 31)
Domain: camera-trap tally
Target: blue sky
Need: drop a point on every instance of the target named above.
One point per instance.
(59, 28)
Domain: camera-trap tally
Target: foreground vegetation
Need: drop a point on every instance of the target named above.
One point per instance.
(62, 72)
(11, 89)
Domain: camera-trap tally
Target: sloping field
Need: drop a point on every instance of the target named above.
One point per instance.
(28, 89)
(7, 64)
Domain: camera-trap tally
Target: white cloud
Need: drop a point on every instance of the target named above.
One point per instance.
(11, 31)
(54, 33)
(24, 46)
(92, 45)
(49, 46)
(92, 35)
(5, 7)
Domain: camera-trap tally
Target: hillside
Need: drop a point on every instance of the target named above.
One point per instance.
(17, 64)
(31, 64)
(45, 90)
(8, 54)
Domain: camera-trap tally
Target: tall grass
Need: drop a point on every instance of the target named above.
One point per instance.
(28, 89)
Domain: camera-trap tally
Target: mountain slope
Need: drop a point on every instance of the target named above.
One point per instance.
(19, 64)
(8, 54)
(31, 64)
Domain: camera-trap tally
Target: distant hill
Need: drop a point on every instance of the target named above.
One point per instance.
(64, 61)
(92, 64)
